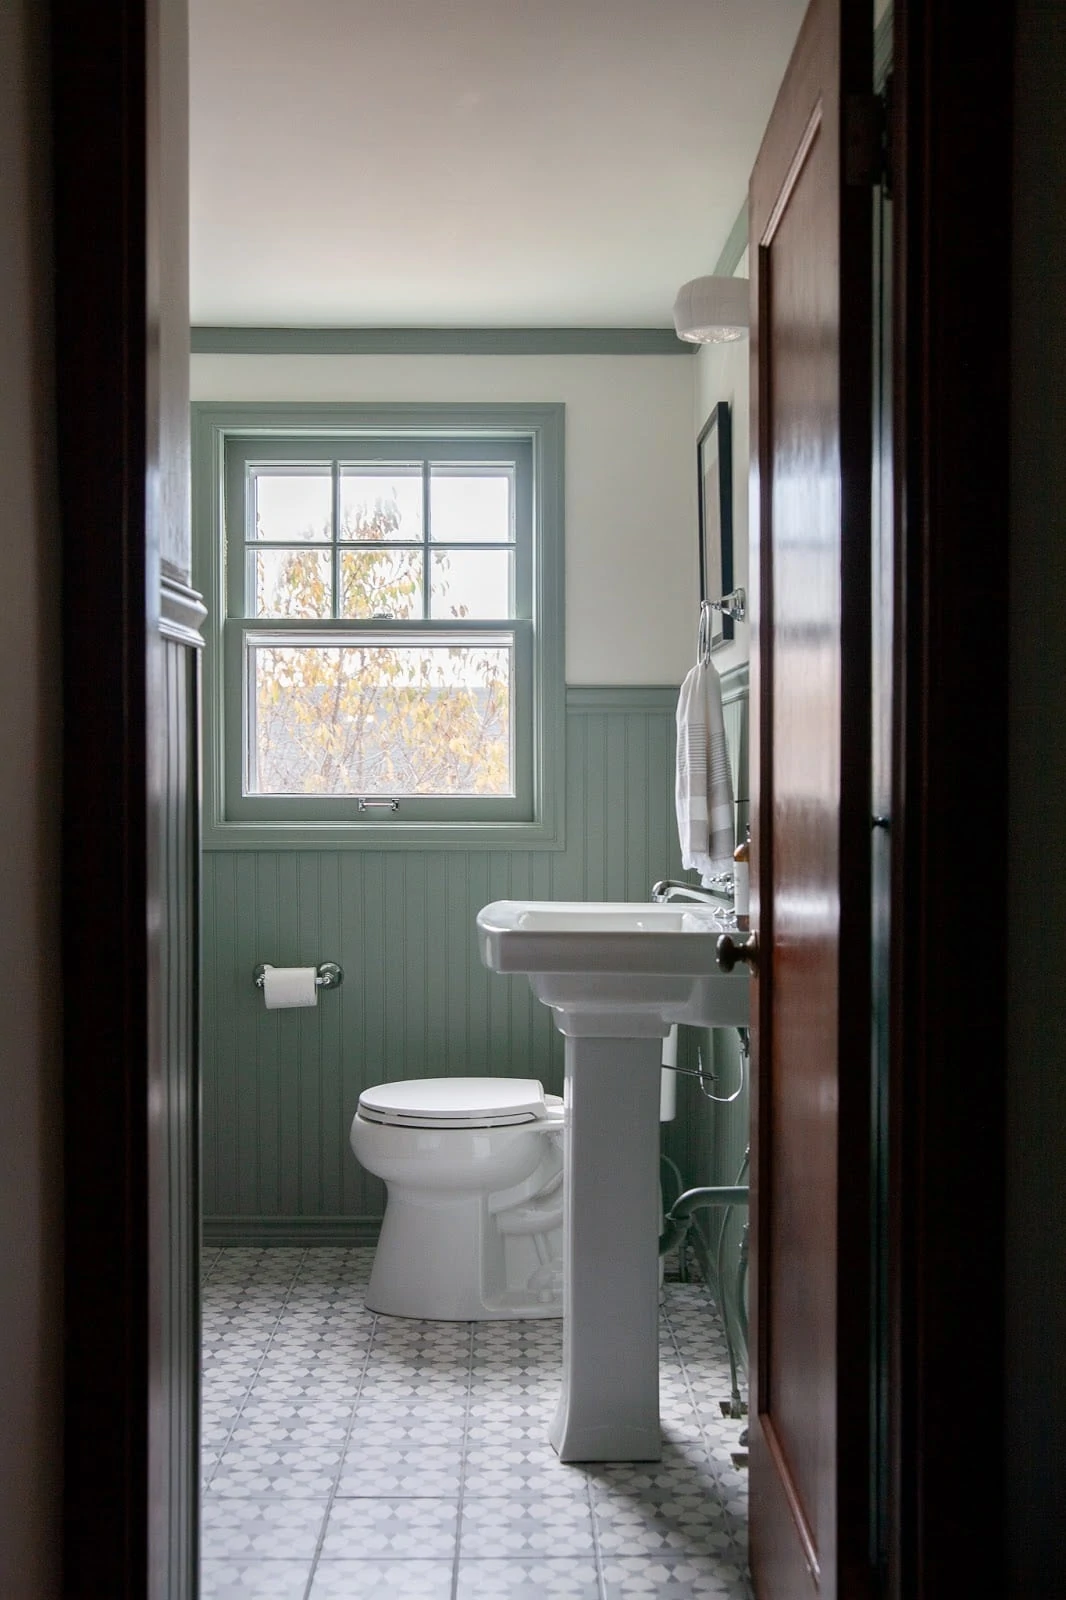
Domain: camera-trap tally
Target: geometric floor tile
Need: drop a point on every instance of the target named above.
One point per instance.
(257, 1529)
(355, 1455)
(672, 1578)
(392, 1527)
(541, 1526)
(380, 1580)
(567, 1576)
(253, 1580)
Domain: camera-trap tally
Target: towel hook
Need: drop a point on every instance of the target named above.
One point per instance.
(734, 604)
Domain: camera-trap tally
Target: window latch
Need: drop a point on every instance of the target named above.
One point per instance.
(379, 805)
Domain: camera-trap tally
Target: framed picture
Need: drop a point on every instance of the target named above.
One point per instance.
(714, 466)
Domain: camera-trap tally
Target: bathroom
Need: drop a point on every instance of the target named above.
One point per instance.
(290, 1216)
(101, 1235)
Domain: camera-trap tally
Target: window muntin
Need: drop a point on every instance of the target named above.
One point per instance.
(355, 572)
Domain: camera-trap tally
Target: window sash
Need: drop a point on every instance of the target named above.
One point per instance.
(242, 805)
(333, 451)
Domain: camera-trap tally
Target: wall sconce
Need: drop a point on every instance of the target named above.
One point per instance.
(712, 310)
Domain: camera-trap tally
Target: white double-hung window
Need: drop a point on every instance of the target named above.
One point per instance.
(386, 597)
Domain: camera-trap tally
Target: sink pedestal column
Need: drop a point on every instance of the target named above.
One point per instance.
(609, 1407)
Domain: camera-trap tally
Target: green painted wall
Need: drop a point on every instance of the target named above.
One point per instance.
(280, 1088)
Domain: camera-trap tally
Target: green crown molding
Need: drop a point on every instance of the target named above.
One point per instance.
(206, 341)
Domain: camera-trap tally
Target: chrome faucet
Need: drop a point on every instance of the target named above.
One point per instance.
(719, 888)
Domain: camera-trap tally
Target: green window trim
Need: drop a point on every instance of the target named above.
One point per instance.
(225, 435)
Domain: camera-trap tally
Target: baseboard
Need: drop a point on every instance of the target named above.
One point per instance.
(298, 1232)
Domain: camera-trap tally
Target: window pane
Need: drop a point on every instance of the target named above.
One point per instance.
(388, 719)
(292, 503)
(379, 583)
(470, 583)
(292, 583)
(381, 502)
(471, 504)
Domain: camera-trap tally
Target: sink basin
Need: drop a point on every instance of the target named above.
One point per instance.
(626, 958)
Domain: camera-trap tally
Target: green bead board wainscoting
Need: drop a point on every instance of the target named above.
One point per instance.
(280, 1088)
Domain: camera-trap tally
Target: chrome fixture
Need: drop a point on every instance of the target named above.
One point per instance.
(327, 976)
(718, 888)
(734, 604)
(676, 1224)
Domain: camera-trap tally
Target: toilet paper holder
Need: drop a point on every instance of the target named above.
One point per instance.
(328, 975)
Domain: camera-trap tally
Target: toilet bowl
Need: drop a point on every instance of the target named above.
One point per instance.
(473, 1220)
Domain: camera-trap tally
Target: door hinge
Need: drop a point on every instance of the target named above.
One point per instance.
(868, 139)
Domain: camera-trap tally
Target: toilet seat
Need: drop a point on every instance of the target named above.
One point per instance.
(455, 1103)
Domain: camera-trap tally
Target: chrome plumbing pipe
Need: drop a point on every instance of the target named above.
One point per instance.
(678, 1219)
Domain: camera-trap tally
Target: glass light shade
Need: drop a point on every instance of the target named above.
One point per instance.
(712, 310)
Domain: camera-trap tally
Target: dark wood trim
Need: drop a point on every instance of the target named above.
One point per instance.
(98, 96)
(130, 800)
(952, 159)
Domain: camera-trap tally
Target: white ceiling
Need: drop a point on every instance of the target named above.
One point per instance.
(470, 163)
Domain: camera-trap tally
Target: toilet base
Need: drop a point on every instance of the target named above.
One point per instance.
(442, 1258)
(521, 1310)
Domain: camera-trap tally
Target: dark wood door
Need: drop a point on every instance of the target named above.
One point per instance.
(811, 383)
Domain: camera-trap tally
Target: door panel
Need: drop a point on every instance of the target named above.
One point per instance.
(811, 382)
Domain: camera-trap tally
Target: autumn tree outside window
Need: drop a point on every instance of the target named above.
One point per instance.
(384, 654)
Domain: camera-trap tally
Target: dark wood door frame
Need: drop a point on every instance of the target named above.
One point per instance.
(100, 228)
(951, 192)
(129, 800)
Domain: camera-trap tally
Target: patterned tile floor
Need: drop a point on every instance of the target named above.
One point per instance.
(346, 1454)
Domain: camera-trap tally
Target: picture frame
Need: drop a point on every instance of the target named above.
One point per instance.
(714, 501)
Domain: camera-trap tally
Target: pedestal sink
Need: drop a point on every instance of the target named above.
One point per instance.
(616, 975)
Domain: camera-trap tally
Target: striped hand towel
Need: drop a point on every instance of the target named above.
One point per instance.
(704, 782)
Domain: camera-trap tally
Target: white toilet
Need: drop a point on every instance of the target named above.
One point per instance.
(473, 1222)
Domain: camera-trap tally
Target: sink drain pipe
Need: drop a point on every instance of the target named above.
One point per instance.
(678, 1219)
(676, 1224)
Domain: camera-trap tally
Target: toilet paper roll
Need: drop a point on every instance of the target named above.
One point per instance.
(289, 986)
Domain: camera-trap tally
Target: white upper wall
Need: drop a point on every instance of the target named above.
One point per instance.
(631, 579)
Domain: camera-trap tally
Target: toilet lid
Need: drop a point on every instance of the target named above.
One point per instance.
(454, 1102)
